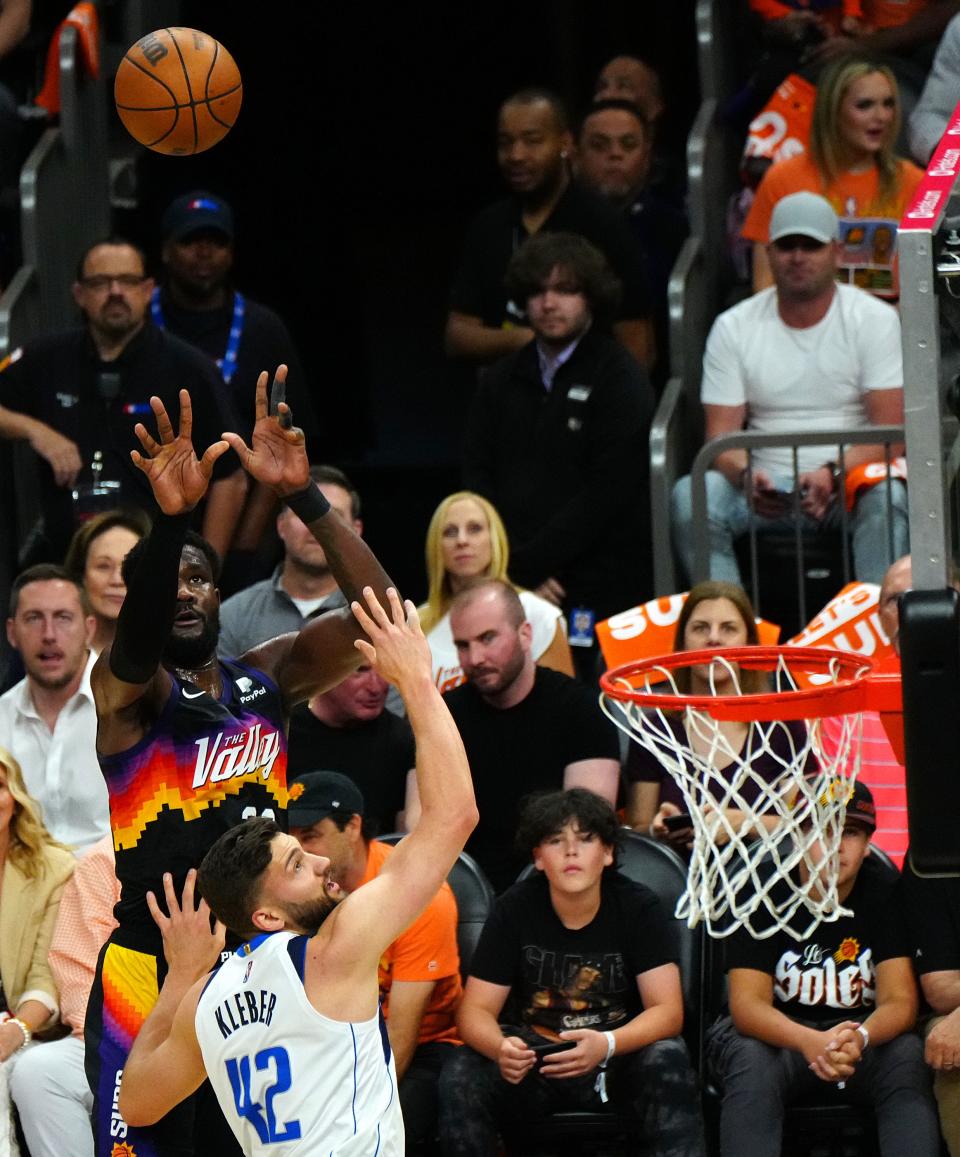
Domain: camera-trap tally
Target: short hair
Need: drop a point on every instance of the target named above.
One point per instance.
(439, 590)
(530, 268)
(132, 559)
(533, 94)
(44, 572)
(369, 825)
(333, 476)
(547, 813)
(136, 521)
(231, 872)
(615, 104)
(750, 681)
(115, 240)
(507, 594)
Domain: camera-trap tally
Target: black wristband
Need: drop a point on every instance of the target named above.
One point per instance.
(308, 504)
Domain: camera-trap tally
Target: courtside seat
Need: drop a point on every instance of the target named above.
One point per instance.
(825, 1128)
(646, 861)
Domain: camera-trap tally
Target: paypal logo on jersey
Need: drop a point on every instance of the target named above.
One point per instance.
(247, 690)
(245, 752)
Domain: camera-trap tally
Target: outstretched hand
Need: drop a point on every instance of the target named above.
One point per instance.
(395, 646)
(178, 479)
(191, 942)
(278, 455)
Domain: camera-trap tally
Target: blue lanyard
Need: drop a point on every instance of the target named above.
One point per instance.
(227, 365)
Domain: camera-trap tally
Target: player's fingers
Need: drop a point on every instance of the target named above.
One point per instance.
(362, 617)
(285, 419)
(235, 442)
(169, 892)
(376, 607)
(260, 401)
(164, 425)
(366, 649)
(186, 415)
(189, 885)
(146, 439)
(158, 917)
(211, 454)
(397, 612)
(413, 617)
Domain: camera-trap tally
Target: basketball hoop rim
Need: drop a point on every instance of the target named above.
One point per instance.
(866, 686)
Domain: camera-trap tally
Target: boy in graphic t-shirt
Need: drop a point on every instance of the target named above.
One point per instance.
(587, 962)
(832, 1014)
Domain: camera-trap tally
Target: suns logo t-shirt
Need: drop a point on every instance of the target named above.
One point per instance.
(831, 975)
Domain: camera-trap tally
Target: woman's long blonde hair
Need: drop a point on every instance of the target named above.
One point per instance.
(825, 139)
(439, 590)
(28, 836)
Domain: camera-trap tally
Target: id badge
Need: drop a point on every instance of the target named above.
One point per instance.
(580, 629)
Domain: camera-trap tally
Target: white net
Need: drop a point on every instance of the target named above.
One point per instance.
(767, 810)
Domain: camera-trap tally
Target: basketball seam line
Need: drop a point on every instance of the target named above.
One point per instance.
(186, 75)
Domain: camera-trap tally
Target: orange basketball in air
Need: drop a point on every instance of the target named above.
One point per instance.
(178, 91)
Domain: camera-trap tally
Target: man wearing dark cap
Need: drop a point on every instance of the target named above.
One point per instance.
(198, 302)
(420, 971)
(830, 1013)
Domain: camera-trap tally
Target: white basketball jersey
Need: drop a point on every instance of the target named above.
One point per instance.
(290, 1080)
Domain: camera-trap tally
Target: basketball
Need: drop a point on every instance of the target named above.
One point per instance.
(178, 91)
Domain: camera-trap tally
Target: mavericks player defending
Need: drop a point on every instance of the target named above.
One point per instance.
(288, 1029)
(190, 746)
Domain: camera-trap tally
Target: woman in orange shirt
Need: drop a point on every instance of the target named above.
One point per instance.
(851, 162)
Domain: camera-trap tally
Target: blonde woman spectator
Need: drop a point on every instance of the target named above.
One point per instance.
(466, 540)
(850, 162)
(34, 869)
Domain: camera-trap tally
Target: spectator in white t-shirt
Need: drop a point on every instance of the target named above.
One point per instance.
(804, 355)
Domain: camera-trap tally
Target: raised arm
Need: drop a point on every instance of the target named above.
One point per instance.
(374, 915)
(131, 670)
(323, 652)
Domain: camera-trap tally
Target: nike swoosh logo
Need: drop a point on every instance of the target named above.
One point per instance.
(194, 695)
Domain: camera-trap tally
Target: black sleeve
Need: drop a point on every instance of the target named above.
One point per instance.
(649, 930)
(146, 616)
(617, 472)
(468, 294)
(741, 950)
(497, 954)
(622, 249)
(15, 386)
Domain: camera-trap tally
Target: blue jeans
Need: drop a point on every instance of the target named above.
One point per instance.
(729, 517)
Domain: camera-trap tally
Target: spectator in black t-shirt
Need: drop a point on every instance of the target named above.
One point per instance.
(526, 728)
(198, 301)
(348, 730)
(533, 147)
(584, 956)
(831, 1011)
(76, 395)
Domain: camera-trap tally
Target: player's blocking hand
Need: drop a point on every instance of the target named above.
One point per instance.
(192, 941)
(177, 477)
(395, 645)
(278, 455)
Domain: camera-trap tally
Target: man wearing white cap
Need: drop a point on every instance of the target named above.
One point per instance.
(804, 355)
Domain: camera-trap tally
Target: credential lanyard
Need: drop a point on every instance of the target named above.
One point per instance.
(227, 365)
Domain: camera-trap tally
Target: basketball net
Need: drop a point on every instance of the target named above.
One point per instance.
(765, 847)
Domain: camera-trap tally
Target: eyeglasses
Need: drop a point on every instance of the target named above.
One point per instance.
(100, 281)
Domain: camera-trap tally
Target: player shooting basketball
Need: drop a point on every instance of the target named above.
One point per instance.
(189, 745)
(288, 1029)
